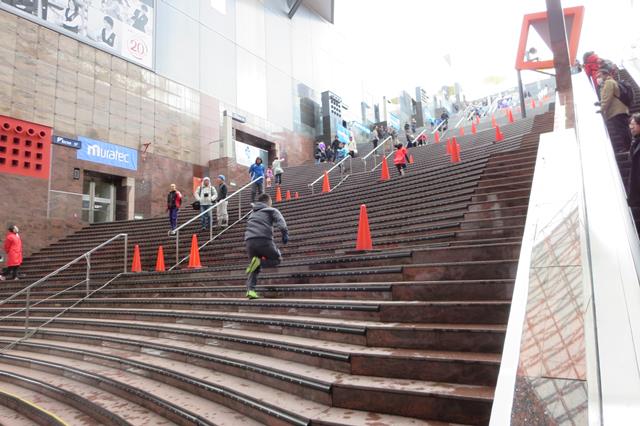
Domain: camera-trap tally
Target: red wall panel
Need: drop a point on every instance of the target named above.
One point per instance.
(25, 148)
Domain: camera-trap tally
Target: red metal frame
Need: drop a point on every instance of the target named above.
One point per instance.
(576, 12)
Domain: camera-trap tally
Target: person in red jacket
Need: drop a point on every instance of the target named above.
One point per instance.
(400, 158)
(13, 249)
(174, 199)
(591, 64)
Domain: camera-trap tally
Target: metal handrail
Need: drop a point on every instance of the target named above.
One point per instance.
(176, 231)
(376, 148)
(338, 164)
(86, 256)
(465, 115)
(211, 239)
(375, 151)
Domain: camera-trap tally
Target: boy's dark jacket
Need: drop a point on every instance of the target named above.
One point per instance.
(261, 221)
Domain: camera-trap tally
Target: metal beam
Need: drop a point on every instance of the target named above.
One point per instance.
(294, 8)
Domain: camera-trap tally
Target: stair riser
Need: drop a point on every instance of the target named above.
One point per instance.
(453, 254)
(422, 407)
(454, 291)
(461, 271)
(452, 340)
(471, 373)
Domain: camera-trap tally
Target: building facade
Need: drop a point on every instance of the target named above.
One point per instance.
(136, 95)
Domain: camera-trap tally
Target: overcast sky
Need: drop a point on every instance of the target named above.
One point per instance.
(481, 38)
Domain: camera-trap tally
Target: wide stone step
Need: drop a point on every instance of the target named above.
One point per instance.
(450, 337)
(427, 399)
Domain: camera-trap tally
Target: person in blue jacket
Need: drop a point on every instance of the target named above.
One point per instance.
(256, 171)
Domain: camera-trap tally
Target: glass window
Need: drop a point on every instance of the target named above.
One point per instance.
(279, 98)
(250, 18)
(217, 72)
(177, 44)
(252, 90)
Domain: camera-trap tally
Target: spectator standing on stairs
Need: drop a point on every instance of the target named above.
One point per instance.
(222, 216)
(13, 249)
(269, 176)
(256, 171)
(352, 146)
(258, 239)
(277, 170)
(375, 137)
(320, 154)
(335, 145)
(614, 111)
(205, 194)
(174, 199)
(633, 199)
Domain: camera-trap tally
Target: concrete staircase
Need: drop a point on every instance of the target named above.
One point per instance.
(408, 334)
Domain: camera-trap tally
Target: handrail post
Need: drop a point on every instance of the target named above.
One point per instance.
(239, 205)
(126, 244)
(26, 318)
(177, 245)
(88, 258)
(210, 223)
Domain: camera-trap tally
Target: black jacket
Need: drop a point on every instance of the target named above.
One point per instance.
(262, 221)
(222, 192)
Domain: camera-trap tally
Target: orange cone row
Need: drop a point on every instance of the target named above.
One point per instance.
(288, 196)
(194, 257)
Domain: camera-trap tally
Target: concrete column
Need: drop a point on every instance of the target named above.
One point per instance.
(560, 49)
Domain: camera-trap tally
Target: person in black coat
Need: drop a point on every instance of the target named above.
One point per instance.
(633, 198)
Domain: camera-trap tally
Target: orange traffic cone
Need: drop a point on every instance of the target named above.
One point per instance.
(456, 153)
(364, 234)
(448, 146)
(411, 161)
(296, 196)
(499, 135)
(510, 116)
(461, 131)
(474, 130)
(160, 261)
(325, 183)
(477, 120)
(493, 121)
(533, 103)
(136, 265)
(194, 256)
(288, 196)
(437, 137)
(384, 170)
(278, 194)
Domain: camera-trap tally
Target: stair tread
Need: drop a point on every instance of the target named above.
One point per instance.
(276, 398)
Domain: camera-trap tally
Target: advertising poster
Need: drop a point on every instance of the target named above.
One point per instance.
(124, 27)
(246, 154)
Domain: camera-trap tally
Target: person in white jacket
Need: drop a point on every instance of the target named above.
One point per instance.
(206, 194)
(277, 170)
(352, 146)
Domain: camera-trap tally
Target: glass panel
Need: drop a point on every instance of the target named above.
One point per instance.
(252, 84)
(250, 18)
(103, 189)
(102, 212)
(177, 46)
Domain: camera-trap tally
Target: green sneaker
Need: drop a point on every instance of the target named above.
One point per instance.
(251, 294)
(253, 265)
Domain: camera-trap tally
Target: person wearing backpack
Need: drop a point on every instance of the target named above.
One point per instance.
(614, 111)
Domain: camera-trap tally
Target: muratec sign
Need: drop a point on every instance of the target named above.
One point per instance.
(108, 154)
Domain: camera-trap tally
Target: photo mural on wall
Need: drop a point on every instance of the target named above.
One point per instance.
(124, 27)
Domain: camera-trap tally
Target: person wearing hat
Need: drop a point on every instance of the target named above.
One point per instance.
(222, 216)
(13, 249)
(614, 111)
(205, 194)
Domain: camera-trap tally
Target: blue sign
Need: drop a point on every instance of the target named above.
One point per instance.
(394, 121)
(361, 127)
(71, 143)
(108, 153)
(342, 133)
